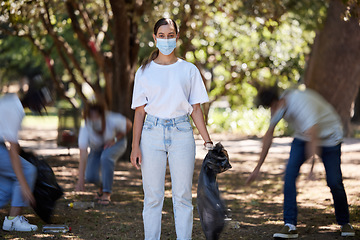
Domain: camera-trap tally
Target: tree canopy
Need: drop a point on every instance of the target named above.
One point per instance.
(238, 46)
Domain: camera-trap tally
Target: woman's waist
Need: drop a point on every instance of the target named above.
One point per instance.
(166, 121)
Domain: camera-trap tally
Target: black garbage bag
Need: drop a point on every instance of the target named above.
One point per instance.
(211, 208)
(46, 190)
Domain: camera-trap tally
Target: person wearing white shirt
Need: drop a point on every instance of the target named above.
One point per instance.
(104, 132)
(167, 91)
(17, 176)
(318, 130)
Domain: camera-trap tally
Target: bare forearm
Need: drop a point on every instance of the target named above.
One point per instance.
(138, 124)
(120, 135)
(266, 144)
(198, 118)
(312, 147)
(17, 166)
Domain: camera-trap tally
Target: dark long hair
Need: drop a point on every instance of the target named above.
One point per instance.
(155, 53)
(36, 100)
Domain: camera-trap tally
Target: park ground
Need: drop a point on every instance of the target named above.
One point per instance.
(256, 210)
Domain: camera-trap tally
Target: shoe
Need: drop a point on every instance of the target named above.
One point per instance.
(98, 196)
(104, 202)
(286, 232)
(19, 223)
(347, 230)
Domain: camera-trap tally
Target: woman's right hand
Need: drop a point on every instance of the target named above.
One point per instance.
(135, 157)
(80, 185)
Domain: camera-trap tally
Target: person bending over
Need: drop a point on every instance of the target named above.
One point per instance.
(17, 176)
(318, 130)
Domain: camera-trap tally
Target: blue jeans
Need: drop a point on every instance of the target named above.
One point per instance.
(172, 140)
(104, 160)
(9, 185)
(331, 160)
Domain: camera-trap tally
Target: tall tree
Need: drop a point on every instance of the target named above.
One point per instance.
(334, 66)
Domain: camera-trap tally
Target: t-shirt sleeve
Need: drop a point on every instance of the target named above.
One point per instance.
(139, 97)
(118, 121)
(12, 126)
(83, 140)
(198, 93)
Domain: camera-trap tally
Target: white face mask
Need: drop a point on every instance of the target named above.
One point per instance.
(96, 124)
(166, 46)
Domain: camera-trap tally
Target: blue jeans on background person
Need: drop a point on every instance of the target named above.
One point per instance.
(331, 157)
(104, 160)
(10, 188)
(165, 140)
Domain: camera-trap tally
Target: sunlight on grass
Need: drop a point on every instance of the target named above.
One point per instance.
(244, 121)
(40, 122)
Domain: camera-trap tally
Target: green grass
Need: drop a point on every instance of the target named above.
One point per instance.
(45, 122)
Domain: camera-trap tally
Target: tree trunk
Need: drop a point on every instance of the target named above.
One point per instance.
(124, 61)
(334, 66)
(125, 57)
(356, 117)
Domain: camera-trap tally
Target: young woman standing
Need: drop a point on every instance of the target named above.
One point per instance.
(167, 90)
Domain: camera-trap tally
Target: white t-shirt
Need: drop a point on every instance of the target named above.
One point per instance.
(115, 123)
(169, 91)
(304, 109)
(11, 116)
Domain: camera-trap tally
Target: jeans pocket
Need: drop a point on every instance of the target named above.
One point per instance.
(183, 126)
(147, 126)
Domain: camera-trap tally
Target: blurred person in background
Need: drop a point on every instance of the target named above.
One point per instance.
(17, 176)
(318, 130)
(104, 132)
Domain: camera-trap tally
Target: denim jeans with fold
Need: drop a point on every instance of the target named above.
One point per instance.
(104, 160)
(10, 188)
(331, 158)
(169, 140)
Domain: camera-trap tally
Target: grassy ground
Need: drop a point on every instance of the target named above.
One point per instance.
(256, 210)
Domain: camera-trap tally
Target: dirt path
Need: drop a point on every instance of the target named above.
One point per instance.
(256, 210)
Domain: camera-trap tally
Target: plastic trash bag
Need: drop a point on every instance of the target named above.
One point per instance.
(211, 208)
(46, 190)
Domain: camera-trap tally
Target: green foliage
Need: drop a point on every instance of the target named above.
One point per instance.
(242, 45)
(18, 58)
(245, 121)
(239, 46)
(27, 22)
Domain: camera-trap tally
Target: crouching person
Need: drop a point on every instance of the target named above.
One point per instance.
(17, 176)
(105, 133)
